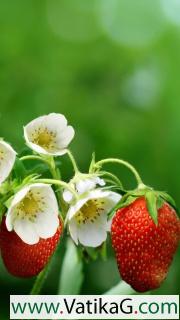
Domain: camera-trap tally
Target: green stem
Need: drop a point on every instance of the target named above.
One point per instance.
(52, 168)
(49, 161)
(58, 183)
(122, 162)
(34, 157)
(73, 161)
(112, 176)
(40, 280)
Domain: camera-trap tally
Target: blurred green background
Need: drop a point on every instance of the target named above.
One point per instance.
(113, 68)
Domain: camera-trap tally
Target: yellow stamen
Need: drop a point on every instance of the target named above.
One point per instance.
(90, 211)
(44, 138)
(29, 207)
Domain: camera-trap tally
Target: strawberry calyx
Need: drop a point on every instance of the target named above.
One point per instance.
(154, 200)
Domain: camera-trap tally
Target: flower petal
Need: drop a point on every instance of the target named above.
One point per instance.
(85, 185)
(92, 234)
(46, 222)
(100, 181)
(65, 137)
(46, 191)
(55, 121)
(73, 230)
(19, 196)
(67, 196)
(111, 200)
(7, 160)
(9, 222)
(75, 208)
(46, 225)
(56, 125)
(26, 231)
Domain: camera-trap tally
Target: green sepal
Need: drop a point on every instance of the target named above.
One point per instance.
(168, 199)
(151, 201)
(8, 202)
(154, 200)
(160, 202)
(125, 201)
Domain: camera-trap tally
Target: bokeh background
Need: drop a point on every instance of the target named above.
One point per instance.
(113, 68)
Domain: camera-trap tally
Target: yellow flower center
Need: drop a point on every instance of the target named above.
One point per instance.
(44, 138)
(90, 211)
(29, 207)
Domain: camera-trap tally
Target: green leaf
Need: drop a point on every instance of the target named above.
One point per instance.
(92, 252)
(151, 200)
(168, 198)
(93, 161)
(103, 251)
(71, 277)
(19, 169)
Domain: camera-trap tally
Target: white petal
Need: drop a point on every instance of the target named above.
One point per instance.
(7, 160)
(73, 230)
(46, 225)
(65, 137)
(75, 208)
(92, 234)
(67, 196)
(53, 122)
(100, 182)
(19, 196)
(111, 200)
(94, 194)
(9, 222)
(47, 192)
(59, 153)
(36, 147)
(26, 231)
(85, 185)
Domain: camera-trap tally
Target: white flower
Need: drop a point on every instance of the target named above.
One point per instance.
(33, 213)
(82, 186)
(87, 217)
(7, 160)
(49, 135)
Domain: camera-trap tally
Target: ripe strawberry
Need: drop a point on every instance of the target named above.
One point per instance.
(21, 259)
(144, 250)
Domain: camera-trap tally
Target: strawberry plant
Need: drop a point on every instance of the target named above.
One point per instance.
(38, 207)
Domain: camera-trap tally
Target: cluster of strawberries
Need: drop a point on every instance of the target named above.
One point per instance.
(143, 223)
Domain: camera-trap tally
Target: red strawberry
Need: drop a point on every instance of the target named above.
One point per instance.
(24, 260)
(144, 250)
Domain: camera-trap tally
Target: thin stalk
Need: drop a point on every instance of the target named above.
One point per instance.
(73, 161)
(58, 183)
(40, 280)
(34, 157)
(122, 162)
